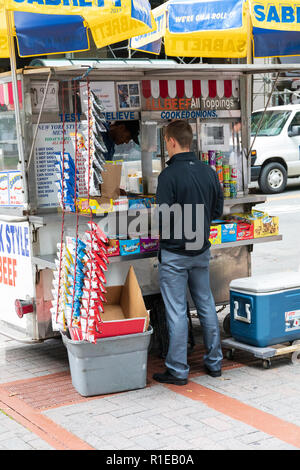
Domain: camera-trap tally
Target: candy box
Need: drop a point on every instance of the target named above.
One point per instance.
(137, 204)
(263, 224)
(149, 244)
(228, 229)
(113, 248)
(269, 225)
(129, 247)
(94, 206)
(245, 231)
(228, 232)
(145, 202)
(215, 235)
(120, 204)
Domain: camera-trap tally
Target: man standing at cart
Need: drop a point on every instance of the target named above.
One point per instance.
(188, 184)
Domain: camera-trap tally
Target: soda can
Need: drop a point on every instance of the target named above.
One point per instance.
(219, 158)
(226, 172)
(212, 157)
(233, 190)
(204, 158)
(226, 190)
(219, 170)
(233, 173)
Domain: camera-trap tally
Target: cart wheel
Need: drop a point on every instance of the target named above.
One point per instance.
(226, 324)
(266, 363)
(229, 354)
(295, 358)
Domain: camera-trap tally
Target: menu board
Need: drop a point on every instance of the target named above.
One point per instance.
(49, 141)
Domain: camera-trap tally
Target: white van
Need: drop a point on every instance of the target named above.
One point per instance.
(275, 154)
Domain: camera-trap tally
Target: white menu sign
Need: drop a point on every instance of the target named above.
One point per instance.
(105, 91)
(50, 140)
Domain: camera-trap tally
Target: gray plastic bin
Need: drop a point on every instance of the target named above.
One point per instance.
(113, 364)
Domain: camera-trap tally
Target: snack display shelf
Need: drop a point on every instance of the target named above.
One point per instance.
(249, 199)
(52, 218)
(48, 261)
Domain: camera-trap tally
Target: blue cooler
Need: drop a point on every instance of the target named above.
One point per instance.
(265, 309)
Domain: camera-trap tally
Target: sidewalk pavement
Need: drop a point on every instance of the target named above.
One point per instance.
(248, 408)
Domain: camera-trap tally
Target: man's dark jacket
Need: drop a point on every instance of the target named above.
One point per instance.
(186, 180)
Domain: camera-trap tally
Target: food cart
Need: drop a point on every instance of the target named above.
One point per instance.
(215, 99)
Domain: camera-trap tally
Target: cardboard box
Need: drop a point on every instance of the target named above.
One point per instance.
(129, 247)
(245, 231)
(144, 202)
(93, 205)
(149, 244)
(228, 230)
(125, 311)
(113, 248)
(215, 235)
(110, 188)
(263, 224)
(120, 204)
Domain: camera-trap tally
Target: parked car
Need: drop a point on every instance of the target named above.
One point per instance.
(275, 153)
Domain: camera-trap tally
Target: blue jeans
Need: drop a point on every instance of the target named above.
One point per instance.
(175, 273)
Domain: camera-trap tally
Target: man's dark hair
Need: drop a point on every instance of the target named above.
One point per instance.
(180, 131)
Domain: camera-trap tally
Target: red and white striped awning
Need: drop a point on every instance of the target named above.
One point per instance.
(190, 88)
(6, 94)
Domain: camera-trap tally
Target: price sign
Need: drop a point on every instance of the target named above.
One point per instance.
(38, 90)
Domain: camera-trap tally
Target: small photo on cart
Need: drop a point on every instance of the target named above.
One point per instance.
(129, 95)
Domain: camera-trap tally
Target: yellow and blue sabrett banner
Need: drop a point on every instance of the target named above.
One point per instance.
(207, 29)
(276, 28)
(195, 28)
(151, 42)
(56, 26)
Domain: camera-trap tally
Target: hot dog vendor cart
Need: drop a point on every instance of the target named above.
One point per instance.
(215, 99)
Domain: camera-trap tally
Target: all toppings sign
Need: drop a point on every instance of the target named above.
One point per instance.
(190, 98)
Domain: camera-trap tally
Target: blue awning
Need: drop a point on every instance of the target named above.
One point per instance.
(271, 43)
(39, 34)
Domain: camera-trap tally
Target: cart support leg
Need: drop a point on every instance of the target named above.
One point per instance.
(13, 66)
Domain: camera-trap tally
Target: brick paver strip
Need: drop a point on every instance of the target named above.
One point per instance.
(58, 437)
(24, 400)
(265, 422)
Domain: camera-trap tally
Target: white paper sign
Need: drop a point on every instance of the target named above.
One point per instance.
(50, 140)
(11, 188)
(105, 91)
(38, 90)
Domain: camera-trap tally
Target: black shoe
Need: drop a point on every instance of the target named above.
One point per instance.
(213, 373)
(167, 378)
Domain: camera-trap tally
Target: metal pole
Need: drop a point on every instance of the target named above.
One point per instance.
(20, 137)
(129, 50)
(249, 38)
(39, 119)
(263, 114)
